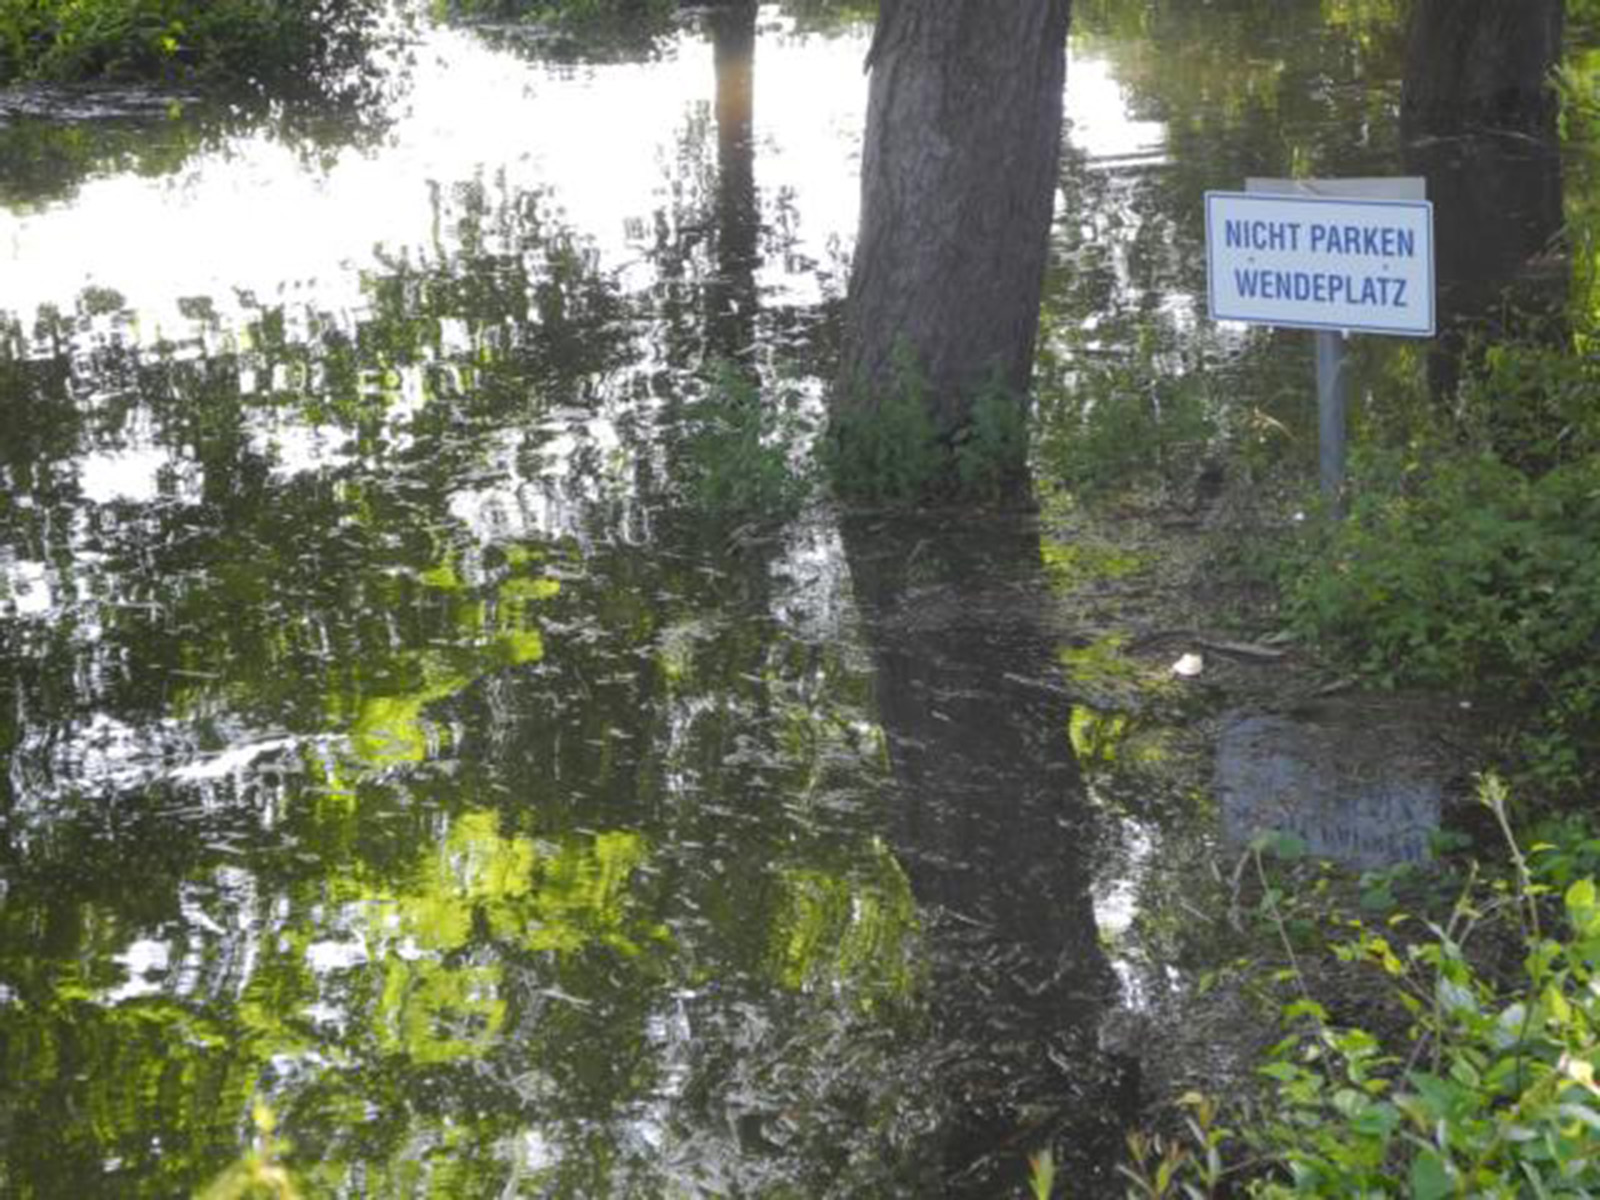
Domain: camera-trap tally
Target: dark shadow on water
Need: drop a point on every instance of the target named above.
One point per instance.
(990, 818)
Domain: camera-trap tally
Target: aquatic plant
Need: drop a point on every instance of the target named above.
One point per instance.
(888, 452)
(258, 1173)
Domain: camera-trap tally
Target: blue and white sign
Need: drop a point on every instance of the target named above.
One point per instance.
(1319, 262)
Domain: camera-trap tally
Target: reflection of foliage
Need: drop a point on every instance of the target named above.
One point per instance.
(830, 16)
(388, 728)
(1264, 87)
(571, 12)
(859, 935)
(43, 159)
(562, 30)
(436, 851)
(56, 142)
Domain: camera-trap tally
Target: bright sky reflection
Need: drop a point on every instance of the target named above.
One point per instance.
(253, 217)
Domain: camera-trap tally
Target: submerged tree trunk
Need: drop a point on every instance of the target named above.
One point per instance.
(958, 178)
(731, 293)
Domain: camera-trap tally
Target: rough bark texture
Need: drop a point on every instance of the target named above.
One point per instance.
(958, 179)
(1479, 119)
(1481, 63)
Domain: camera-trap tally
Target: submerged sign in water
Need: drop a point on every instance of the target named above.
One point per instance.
(1320, 262)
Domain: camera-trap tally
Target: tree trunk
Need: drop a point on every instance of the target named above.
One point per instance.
(1481, 63)
(1479, 118)
(731, 293)
(958, 178)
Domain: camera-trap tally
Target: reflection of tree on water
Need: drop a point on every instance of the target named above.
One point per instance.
(731, 293)
(561, 843)
(990, 820)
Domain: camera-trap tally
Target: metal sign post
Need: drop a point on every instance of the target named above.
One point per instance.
(1335, 256)
(1333, 402)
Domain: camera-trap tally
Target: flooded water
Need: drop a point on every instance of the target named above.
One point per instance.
(388, 739)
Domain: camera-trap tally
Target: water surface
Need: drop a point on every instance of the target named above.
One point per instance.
(389, 739)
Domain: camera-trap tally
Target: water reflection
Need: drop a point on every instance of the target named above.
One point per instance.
(991, 820)
(383, 734)
(368, 748)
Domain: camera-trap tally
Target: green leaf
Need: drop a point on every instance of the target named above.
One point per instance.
(1430, 1178)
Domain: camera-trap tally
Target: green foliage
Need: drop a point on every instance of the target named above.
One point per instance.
(887, 453)
(745, 451)
(1497, 1096)
(1042, 1175)
(991, 450)
(1190, 1166)
(1460, 568)
(1475, 574)
(258, 1174)
(1115, 421)
(1532, 402)
(318, 46)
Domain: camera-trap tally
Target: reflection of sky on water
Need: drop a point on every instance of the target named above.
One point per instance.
(591, 136)
(1099, 124)
(252, 217)
(582, 134)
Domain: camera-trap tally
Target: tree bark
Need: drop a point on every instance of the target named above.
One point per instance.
(958, 179)
(1483, 63)
(1479, 117)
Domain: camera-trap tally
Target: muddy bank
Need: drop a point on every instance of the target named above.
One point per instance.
(1202, 724)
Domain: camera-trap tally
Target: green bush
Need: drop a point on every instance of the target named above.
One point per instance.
(1491, 1091)
(994, 448)
(1112, 421)
(1498, 1096)
(320, 46)
(1473, 575)
(887, 453)
(745, 451)
(1531, 403)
